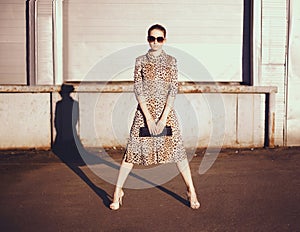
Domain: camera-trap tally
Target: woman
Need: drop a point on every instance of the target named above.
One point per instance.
(155, 136)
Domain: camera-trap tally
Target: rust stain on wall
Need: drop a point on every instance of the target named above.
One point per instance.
(272, 139)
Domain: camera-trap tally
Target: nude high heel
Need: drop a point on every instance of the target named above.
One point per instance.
(116, 205)
(195, 204)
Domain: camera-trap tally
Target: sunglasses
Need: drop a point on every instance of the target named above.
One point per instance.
(158, 39)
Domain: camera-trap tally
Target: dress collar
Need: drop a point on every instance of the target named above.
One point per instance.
(161, 57)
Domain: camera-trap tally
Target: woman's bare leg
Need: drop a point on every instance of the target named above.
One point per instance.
(123, 174)
(185, 171)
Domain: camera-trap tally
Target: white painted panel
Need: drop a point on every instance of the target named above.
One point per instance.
(230, 119)
(293, 112)
(245, 121)
(12, 42)
(44, 40)
(259, 120)
(211, 31)
(274, 28)
(103, 120)
(293, 117)
(257, 43)
(250, 123)
(205, 119)
(25, 120)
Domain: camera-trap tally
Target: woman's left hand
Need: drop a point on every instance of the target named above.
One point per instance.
(160, 126)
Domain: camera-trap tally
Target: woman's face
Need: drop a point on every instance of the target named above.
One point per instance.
(155, 45)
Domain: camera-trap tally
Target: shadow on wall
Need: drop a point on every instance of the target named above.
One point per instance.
(66, 118)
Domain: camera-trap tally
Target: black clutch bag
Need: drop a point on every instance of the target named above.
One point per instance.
(144, 132)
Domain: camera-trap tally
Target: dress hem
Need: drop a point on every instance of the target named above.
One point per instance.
(154, 163)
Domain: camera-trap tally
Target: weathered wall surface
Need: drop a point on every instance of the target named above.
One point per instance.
(207, 119)
(106, 119)
(25, 120)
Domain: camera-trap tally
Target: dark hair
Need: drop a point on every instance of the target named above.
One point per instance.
(158, 27)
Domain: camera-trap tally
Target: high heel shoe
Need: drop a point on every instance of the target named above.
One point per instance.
(116, 205)
(194, 204)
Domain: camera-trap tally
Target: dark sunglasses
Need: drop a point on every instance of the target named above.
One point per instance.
(152, 39)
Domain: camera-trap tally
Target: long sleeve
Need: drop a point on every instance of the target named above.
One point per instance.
(174, 78)
(173, 89)
(138, 89)
(138, 81)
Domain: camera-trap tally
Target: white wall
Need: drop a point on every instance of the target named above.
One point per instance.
(105, 119)
(293, 112)
(25, 120)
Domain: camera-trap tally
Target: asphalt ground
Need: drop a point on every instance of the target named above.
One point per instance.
(244, 190)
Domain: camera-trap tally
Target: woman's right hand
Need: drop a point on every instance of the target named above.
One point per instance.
(152, 126)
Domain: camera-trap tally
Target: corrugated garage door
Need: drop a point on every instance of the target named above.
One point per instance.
(210, 31)
(12, 42)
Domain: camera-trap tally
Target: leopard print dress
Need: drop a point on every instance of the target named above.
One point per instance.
(155, 78)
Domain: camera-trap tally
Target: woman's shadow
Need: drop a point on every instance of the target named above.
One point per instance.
(68, 148)
(67, 145)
